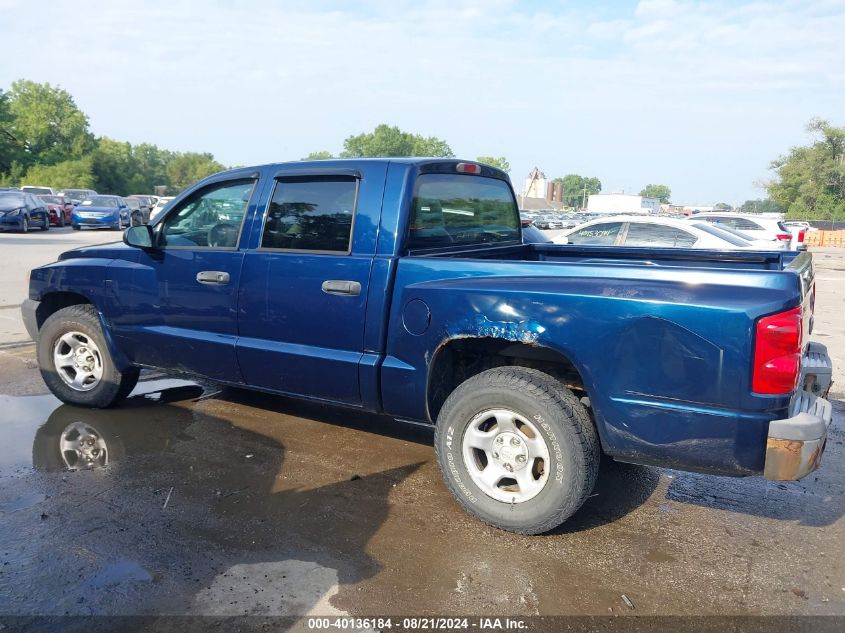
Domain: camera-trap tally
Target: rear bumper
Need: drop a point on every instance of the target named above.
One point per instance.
(795, 444)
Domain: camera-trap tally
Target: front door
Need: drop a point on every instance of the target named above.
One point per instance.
(304, 290)
(180, 309)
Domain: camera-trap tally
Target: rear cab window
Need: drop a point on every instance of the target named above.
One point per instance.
(461, 210)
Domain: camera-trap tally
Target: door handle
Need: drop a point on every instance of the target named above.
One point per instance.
(341, 287)
(217, 277)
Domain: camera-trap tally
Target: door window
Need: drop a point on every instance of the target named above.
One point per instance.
(312, 213)
(211, 218)
(657, 236)
(605, 233)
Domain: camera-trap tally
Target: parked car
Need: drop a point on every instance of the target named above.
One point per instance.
(147, 203)
(20, 211)
(59, 208)
(648, 231)
(37, 190)
(532, 235)
(138, 213)
(101, 212)
(760, 227)
(403, 287)
(159, 207)
(77, 195)
(720, 230)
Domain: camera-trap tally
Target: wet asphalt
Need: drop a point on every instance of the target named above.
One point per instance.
(198, 500)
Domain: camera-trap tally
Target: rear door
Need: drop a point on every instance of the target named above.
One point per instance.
(305, 282)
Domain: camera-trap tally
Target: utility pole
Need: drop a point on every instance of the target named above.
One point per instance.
(584, 198)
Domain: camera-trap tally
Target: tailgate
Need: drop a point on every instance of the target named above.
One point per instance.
(802, 266)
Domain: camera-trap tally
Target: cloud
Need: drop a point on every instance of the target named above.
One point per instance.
(699, 95)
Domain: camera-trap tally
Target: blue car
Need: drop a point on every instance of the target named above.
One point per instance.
(101, 212)
(20, 211)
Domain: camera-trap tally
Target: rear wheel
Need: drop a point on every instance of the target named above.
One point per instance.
(517, 449)
(46, 225)
(75, 361)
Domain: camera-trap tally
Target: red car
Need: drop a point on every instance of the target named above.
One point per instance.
(59, 208)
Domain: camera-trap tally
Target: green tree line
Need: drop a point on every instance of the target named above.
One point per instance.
(45, 139)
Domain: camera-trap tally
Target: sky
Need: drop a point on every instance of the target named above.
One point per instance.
(700, 96)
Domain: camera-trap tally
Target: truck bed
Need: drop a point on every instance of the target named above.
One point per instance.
(570, 253)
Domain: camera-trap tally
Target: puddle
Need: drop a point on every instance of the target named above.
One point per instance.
(39, 432)
(119, 572)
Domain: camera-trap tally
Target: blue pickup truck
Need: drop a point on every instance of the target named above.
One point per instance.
(403, 287)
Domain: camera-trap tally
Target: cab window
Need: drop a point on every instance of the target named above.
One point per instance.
(211, 218)
(312, 213)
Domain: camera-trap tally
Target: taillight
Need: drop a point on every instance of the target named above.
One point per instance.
(783, 237)
(777, 352)
(801, 234)
(468, 168)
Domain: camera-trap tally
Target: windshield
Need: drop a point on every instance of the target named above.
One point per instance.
(36, 190)
(453, 210)
(51, 199)
(100, 201)
(11, 199)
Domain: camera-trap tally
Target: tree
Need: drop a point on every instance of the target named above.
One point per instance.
(577, 188)
(760, 206)
(111, 165)
(810, 181)
(45, 125)
(501, 162)
(185, 169)
(391, 141)
(69, 173)
(321, 155)
(722, 206)
(661, 192)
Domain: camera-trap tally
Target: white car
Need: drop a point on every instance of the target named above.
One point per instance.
(760, 227)
(650, 231)
(159, 206)
(761, 245)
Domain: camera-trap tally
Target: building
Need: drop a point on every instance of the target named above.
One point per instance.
(621, 203)
(539, 193)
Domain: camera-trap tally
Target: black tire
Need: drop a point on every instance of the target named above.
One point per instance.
(62, 219)
(75, 227)
(564, 425)
(114, 385)
(25, 225)
(46, 226)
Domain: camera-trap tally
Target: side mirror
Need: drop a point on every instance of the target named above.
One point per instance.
(140, 236)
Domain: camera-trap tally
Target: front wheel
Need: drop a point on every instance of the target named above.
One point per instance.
(46, 225)
(75, 362)
(517, 449)
(24, 225)
(62, 220)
